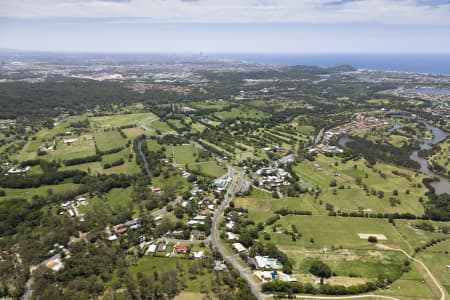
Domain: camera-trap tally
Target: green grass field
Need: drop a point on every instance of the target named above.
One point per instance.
(242, 112)
(30, 150)
(210, 169)
(116, 198)
(408, 289)
(437, 261)
(178, 182)
(121, 119)
(129, 167)
(153, 145)
(198, 127)
(215, 147)
(133, 132)
(92, 168)
(305, 130)
(261, 209)
(328, 231)
(147, 265)
(322, 171)
(176, 123)
(119, 197)
(161, 126)
(442, 157)
(40, 191)
(83, 147)
(351, 263)
(398, 140)
(189, 296)
(416, 237)
(210, 104)
(354, 260)
(59, 128)
(183, 154)
(107, 140)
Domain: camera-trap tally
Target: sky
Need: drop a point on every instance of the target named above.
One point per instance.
(227, 26)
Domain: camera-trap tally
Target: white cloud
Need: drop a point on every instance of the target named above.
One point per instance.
(235, 11)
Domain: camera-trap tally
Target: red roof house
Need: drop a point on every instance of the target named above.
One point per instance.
(121, 229)
(181, 248)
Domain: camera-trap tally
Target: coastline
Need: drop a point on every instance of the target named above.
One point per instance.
(426, 64)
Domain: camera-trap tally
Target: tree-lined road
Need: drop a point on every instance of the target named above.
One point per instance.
(235, 185)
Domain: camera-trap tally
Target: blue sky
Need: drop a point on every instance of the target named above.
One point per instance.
(253, 26)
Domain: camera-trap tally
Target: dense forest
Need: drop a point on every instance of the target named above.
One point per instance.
(49, 99)
(374, 152)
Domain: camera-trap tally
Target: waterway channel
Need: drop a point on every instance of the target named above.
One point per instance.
(443, 185)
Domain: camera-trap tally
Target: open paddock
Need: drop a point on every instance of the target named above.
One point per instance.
(351, 197)
(209, 169)
(121, 119)
(108, 139)
(148, 265)
(183, 154)
(437, 259)
(93, 167)
(129, 167)
(40, 191)
(242, 112)
(83, 146)
(161, 126)
(133, 132)
(320, 232)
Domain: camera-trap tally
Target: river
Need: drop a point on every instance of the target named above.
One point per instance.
(443, 185)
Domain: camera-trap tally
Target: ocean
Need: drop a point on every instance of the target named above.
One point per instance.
(417, 63)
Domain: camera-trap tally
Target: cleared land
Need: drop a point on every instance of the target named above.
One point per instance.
(121, 119)
(40, 191)
(161, 126)
(108, 139)
(133, 132)
(335, 231)
(148, 265)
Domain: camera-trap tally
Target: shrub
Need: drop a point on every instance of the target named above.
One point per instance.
(372, 239)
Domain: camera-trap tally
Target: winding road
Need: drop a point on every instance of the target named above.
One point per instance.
(144, 159)
(441, 290)
(143, 125)
(236, 184)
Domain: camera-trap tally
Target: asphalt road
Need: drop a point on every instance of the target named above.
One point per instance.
(147, 169)
(163, 210)
(144, 123)
(236, 184)
(28, 286)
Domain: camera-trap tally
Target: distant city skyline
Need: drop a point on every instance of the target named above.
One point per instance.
(232, 26)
